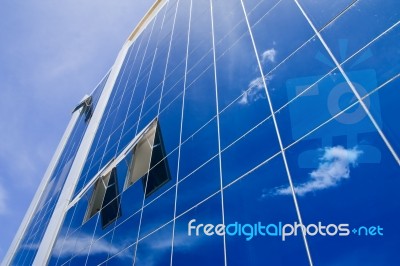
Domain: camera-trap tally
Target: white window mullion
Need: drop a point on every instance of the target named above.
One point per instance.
(277, 133)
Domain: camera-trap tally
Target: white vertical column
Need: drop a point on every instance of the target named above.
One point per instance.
(46, 178)
(57, 218)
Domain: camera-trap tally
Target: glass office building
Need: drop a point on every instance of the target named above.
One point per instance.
(244, 113)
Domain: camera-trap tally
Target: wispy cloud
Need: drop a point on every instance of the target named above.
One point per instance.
(78, 245)
(334, 167)
(3, 199)
(268, 55)
(255, 91)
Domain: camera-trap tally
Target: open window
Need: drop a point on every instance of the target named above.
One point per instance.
(149, 153)
(105, 198)
(87, 108)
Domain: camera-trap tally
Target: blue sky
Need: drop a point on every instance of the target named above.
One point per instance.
(51, 54)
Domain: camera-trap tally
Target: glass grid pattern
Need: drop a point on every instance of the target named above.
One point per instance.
(237, 89)
(37, 227)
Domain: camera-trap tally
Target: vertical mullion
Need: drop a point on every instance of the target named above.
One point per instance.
(277, 133)
(351, 85)
(152, 63)
(130, 100)
(140, 69)
(144, 195)
(168, 54)
(180, 133)
(218, 127)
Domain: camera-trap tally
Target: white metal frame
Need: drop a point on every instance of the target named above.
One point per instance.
(111, 164)
(58, 215)
(42, 187)
(62, 205)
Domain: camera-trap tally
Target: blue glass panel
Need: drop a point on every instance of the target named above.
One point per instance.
(257, 146)
(131, 201)
(171, 164)
(387, 110)
(80, 211)
(129, 131)
(100, 230)
(200, 103)
(257, 190)
(170, 125)
(322, 12)
(55, 253)
(153, 41)
(202, 249)
(100, 249)
(323, 100)
(157, 213)
(198, 186)
(257, 9)
(81, 257)
(171, 93)
(244, 114)
(76, 243)
(152, 100)
(146, 118)
(200, 85)
(124, 257)
(310, 62)
(236, 63)
(362, 177)
(176, 63)
(198, 149)
(156, 248)
(228, 26)
(375, 64)
(272, 45)
(125, 234)
(359, 25)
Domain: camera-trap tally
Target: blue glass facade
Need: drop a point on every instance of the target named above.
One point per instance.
(270, 111)
(37, 226)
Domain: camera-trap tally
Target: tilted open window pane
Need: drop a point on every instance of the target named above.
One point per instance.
(159, 173)
(110, 210)
(141, 155)
(149, 153)
(105, 199)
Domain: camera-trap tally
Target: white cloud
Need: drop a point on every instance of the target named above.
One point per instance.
(334, 167)
(254, 92)
(268, 55)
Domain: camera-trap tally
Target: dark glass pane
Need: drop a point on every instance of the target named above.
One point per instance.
(159, 174)
(110, 209)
